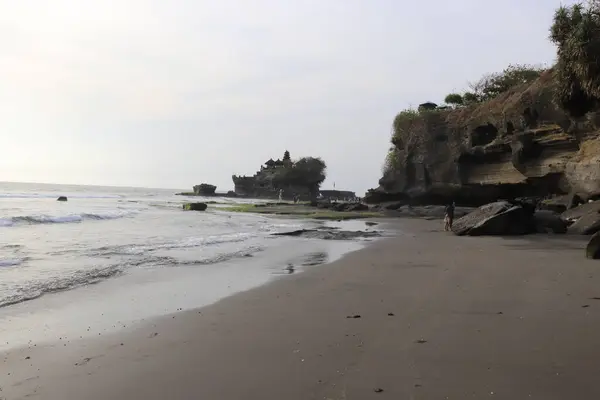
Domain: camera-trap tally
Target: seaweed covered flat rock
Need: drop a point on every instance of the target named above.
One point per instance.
(329, 234)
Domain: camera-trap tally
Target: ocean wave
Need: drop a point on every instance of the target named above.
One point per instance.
(55, 195)
(138, 249)
(167, 261)
(50, 219)
(35, 289)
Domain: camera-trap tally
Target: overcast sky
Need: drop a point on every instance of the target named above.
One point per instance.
(172, 93)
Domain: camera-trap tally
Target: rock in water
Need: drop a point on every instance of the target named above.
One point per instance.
(499, 218)
(205, 189)
(62, 198)
(593, 248)
(547, 221)
(195, 206)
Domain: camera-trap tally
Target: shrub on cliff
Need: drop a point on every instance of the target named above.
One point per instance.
(470, 98)
(454, 99)
(576, 32)
(402, 123)
(492, 85)
(392, 161)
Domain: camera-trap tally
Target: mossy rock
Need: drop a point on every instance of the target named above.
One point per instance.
(195, 206)
(593, 248)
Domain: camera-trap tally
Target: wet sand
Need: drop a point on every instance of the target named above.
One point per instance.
(426, 315)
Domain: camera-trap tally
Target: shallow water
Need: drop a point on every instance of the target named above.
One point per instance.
(110, 256)
(102, 232)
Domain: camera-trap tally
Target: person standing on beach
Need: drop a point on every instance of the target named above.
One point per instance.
(280, 195)
(449, 217)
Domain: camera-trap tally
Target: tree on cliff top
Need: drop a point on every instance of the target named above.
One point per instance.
(491, 85)
(454, 99)
(576, 33)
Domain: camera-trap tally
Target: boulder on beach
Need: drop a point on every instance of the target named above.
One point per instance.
(563, 203)
(578, 212)
(587, 224)
(62, 198)
(195, 206)
(499, 218)
(547, 221)
(592, 249)
(584, 219)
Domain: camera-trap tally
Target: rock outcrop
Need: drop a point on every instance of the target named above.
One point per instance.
(62, 198)
(205, 189)
(517, 144)
(195, 206)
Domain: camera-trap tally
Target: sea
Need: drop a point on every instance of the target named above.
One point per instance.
(111, 256)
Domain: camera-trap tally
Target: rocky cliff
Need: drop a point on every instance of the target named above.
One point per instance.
(520, 143)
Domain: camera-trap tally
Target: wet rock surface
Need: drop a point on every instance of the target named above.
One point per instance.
(327, 233)
(195, 206)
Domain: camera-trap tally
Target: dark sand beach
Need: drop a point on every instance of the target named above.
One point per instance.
(425, 315)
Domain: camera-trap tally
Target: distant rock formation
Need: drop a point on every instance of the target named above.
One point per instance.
(62, 198)
(204, 189)
(301, 178)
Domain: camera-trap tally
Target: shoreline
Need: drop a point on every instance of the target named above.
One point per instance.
(512, 317)
(97, 309)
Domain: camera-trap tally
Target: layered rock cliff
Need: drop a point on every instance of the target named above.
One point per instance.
(520, 143)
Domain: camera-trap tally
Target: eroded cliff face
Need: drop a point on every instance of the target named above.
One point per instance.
(518, 144)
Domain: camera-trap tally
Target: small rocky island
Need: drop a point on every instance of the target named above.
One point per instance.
(301, 178)
(294, 180)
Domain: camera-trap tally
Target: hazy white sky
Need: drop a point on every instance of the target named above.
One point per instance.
(172, 93)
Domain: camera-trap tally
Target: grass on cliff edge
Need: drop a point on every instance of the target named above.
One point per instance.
(302, 211)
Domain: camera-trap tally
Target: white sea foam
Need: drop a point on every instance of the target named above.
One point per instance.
(61, 219)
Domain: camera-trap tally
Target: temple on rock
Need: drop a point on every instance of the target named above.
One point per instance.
(265, 183)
